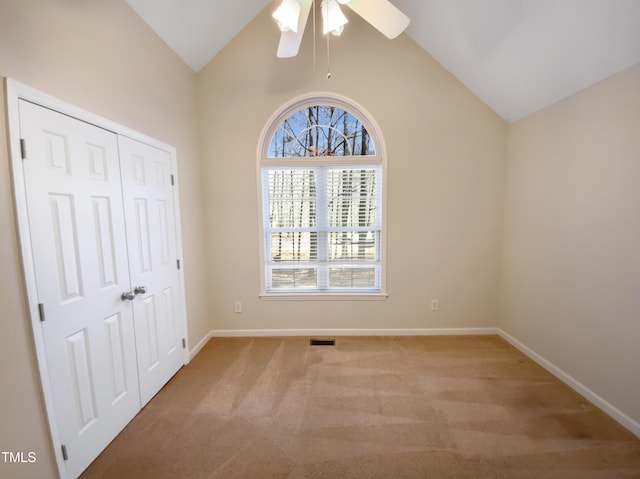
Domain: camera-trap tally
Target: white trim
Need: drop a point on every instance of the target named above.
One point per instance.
(308, 162)
(248, 333)
(615, 413)
(179, 252)
(375, 132)
(201, 344)
(323, 296)
(24, 92)
(14, 92)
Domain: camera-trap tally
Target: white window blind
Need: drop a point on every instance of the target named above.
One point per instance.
(322, 228)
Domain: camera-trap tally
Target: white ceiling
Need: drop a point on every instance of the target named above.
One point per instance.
(518, 56)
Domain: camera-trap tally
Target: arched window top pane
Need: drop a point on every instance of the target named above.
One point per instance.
(321, 130)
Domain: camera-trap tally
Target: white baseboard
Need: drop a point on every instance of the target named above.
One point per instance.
(573, 383)
(228, 333)
(200, 345)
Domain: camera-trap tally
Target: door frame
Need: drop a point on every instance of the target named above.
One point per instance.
(15, 91)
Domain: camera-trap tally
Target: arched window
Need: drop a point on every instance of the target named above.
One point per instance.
(321, 130)
(321, 196)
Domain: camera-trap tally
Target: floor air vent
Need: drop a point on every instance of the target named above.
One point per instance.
(322, 342)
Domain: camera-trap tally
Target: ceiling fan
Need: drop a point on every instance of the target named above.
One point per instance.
(292, 17)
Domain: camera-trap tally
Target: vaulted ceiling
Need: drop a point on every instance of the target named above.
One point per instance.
(518, 56)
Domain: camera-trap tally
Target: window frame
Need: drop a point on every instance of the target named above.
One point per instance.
(378, 160)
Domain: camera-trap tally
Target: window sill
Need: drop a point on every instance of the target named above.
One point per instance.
(323, 296)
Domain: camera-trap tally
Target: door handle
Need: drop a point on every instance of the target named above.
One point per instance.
(128, 296)
(131, 295)
(140, 290)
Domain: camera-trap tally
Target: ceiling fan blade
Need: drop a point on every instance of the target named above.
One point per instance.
(290, 41)
(382, 15)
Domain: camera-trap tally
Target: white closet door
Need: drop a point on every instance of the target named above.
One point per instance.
(77, 228)
(151, 238)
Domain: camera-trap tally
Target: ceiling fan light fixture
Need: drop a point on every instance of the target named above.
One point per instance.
(287, 15)
(380, 14)
(333, 20)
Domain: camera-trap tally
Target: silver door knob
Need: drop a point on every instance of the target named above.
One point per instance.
(140, 290)
(128, 296)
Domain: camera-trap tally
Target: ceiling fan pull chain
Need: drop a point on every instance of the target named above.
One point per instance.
(313, 6)
(328, 59)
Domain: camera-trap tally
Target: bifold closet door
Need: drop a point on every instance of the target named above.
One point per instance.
(79, 248)
(147, 185)
(103, 236)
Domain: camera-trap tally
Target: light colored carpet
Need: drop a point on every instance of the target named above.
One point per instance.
(406, 407)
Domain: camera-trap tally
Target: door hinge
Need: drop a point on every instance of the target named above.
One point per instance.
(178, 263)
(23, 148)
(173, 181)
(184, 343)
(65, 456)
(41, 311)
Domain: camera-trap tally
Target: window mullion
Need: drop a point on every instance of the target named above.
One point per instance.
(322, 222)
(266, 226)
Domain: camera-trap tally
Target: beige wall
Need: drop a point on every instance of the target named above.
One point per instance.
(100, 56)
(446, 154)
(571, 269)
(569, 272)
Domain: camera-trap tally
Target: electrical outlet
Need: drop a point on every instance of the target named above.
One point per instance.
(238, 307)
(435, 305)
